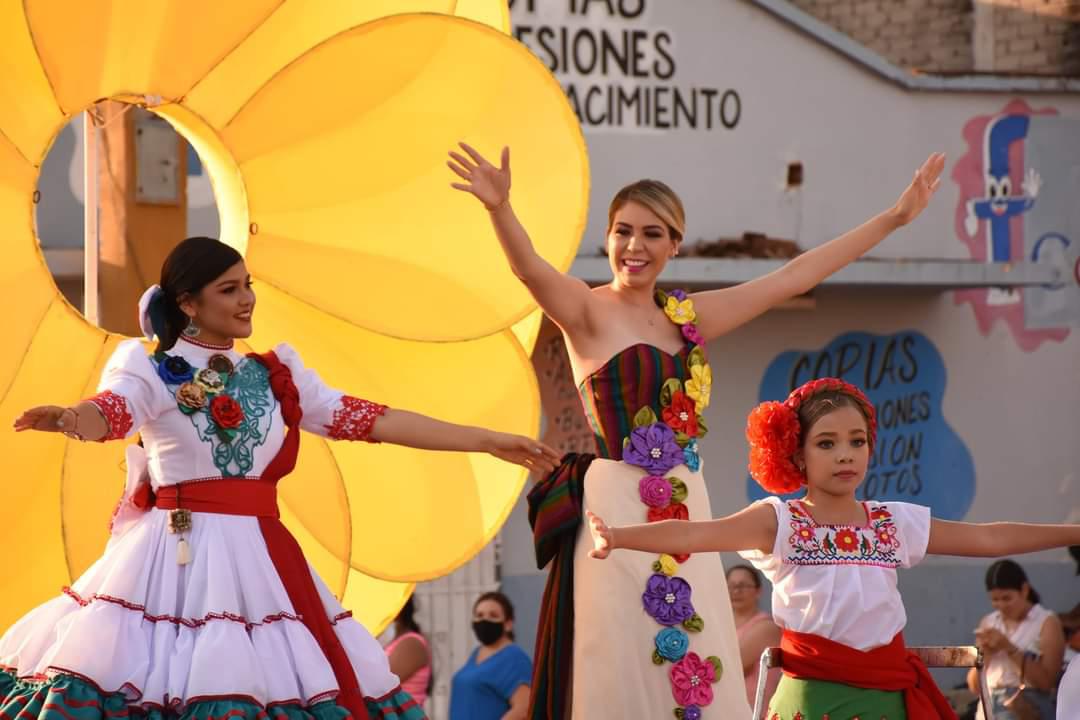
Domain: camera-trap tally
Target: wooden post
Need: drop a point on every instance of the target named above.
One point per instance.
(142, 186)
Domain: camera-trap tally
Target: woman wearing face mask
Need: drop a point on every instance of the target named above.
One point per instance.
(1024, 646)
(639, 360)
(203, 605)
(493, 684)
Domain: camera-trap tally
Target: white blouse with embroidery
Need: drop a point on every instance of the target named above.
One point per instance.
(136, 395)
(139, 622)
(839, 581)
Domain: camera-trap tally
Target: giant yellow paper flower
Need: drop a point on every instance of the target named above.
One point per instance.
(323, 125)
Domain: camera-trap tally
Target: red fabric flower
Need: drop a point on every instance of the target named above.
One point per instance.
(674, 511)
(226, 412)
(880, 514)
(681, 414)
(773, 433)
(847, 541)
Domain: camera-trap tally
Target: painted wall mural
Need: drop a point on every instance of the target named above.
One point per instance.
(919, 457)
(1018, 182)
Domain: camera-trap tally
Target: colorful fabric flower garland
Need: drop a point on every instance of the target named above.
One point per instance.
(658, 445)
(203, 390)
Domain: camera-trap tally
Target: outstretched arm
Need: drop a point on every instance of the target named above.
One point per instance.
(753, 528)
(83, 421)
(401, 427)
(997, 539)
(563, 298)
(721, 311)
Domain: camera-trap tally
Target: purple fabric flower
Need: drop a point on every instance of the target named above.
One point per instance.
(653, 448)
(667, 599)
(678, 294)
(655, 491)
(691, 334)
(691, 712)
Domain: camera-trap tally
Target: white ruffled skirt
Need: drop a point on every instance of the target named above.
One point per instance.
(167, 635)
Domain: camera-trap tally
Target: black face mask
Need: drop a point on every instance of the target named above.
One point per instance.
(488, 632)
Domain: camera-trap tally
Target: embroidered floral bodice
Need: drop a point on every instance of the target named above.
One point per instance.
(839, 581)
(221, 424)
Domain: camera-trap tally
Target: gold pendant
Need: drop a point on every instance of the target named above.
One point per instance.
(179, 521)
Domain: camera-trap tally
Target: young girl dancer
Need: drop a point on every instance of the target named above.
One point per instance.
(832, 561)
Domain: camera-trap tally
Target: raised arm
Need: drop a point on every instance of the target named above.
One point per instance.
(402, 427)
(997, 539)
(565, 299)
(721, 311)
(753, 528)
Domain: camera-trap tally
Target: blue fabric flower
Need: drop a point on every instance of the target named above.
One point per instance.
(679, 294)
(653, 448)
(691, 712)
(672, 644)
(690, 456)
(175, 370)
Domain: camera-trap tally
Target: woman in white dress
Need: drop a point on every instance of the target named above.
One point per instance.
(639, 361)
(203, 605)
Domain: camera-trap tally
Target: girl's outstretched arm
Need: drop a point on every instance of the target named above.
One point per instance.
(997, 539)
(753, 528)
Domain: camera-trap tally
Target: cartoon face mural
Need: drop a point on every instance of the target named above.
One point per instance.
(1000, 205)
(1015, 181)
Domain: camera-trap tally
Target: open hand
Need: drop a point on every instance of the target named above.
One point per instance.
(490, 184)
(917, 195)
(45, 418)
(525, 451)
(601, 536)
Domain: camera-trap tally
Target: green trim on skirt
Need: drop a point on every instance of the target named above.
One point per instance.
(818, 699)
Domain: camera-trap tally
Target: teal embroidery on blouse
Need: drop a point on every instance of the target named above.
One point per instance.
(249, 386)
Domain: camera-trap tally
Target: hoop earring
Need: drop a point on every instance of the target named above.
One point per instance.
(191, 330)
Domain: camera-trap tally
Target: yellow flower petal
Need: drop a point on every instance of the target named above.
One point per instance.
(680, 313)
(234, 92)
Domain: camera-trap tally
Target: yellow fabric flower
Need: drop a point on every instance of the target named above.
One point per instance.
(699, 386)
(680, 313)
(667, 565)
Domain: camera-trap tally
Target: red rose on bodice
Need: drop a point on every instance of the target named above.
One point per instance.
(226, 412)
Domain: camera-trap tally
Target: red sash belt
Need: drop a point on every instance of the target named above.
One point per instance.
(254, 498)
(258, 498)
(890, 667)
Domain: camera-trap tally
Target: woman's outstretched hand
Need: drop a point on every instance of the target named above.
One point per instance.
(525, 451)
(44, 418)
(917, 195)
(601, 536)
(490, 184)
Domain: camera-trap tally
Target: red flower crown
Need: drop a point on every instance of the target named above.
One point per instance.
(773, 430)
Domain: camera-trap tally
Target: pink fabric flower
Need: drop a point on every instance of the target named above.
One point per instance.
(692, 679)
(655, 491)
(690, 334)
